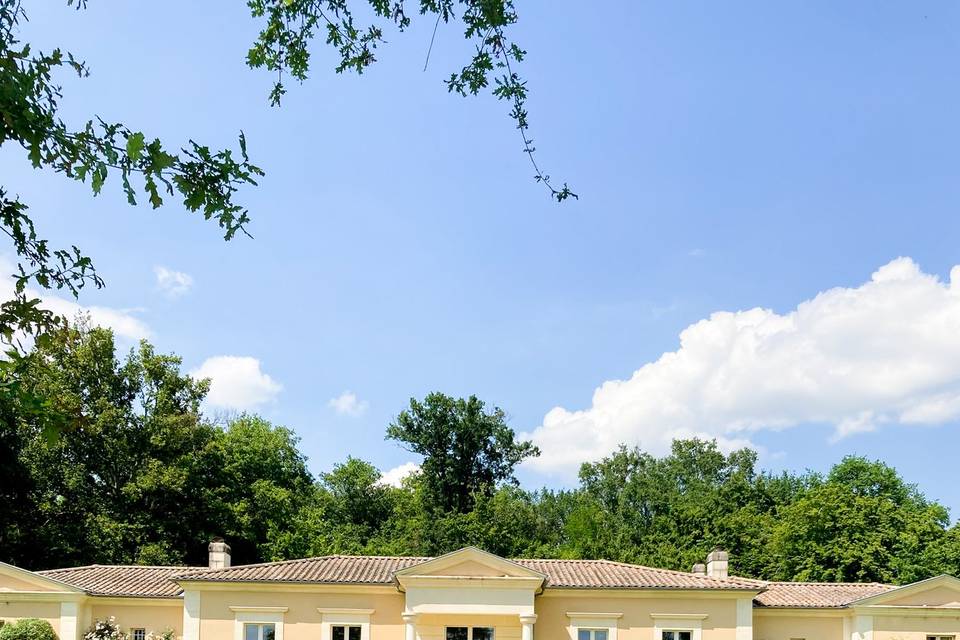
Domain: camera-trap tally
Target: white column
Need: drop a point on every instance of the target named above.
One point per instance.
(744, 619)
(862, 628)
(191, 615)
(410, 624)
(69, 628)
(526, 629)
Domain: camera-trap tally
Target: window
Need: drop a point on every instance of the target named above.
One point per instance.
(941, 637)
(673, 634)
(591, 634)
(345, 632)
(469, 633)
(344, 624)
(259, 631)
(138, 634)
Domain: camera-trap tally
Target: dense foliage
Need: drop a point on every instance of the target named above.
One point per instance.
(466, 451)
(141, 476)
(28, 629)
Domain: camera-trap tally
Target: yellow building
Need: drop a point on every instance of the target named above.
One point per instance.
(471, 595)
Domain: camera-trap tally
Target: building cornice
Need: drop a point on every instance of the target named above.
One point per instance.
(906, 611)
(140, 601)
(42, 596)
(802, 612)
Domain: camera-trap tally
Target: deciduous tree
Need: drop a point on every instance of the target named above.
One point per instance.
(862, 523)
(466, 450)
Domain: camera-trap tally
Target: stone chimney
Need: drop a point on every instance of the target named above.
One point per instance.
(219, 553)
(700, 569)
(717, 562)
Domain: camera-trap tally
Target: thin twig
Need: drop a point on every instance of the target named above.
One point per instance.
(432, 37)
(521, 126)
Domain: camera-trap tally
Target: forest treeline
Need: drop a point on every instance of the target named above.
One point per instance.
(135, 473)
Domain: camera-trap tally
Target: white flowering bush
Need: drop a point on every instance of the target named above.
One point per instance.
(166, 634)
(105, 630)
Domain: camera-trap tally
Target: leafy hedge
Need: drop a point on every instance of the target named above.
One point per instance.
(28, 629)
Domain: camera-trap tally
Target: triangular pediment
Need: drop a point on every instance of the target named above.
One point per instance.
(470, 562)
(940, 591)
(16, 580)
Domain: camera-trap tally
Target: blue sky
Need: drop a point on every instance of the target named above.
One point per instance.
(728, 157)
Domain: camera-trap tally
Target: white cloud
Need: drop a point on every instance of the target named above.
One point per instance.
(394, 477)
(237, 382)
(347, 404)
(173, 283)
(887, 351)
(123, 321)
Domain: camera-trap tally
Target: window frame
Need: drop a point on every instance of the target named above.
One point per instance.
(261, 628)
(134, 630)
(243, 616)
(469, 629)
(346, 626)
(687, 622)
(342, 617)
(592, 621)
(593, 632)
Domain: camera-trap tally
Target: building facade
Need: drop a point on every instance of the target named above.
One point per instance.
(471, 595)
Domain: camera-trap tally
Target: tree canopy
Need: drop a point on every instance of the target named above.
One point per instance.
(466, 451)
(142, 476)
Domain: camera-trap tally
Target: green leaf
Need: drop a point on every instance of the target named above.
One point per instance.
(135, 146)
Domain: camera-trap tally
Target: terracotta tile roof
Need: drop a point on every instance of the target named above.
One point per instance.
(326, 569)
(583, 574)
(817, 594)
(158, 582)
(122, 580)
(618, 575)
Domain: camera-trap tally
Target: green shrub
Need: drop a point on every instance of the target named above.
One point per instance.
(28, 629)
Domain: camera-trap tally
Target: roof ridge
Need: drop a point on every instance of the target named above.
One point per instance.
(120, 566)
(839, 584)
(85, 566)
(672, 572)
(563, 560)
(313, 558)
(263, 564)
(425, 558)
(679, 572)
(602, 560)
